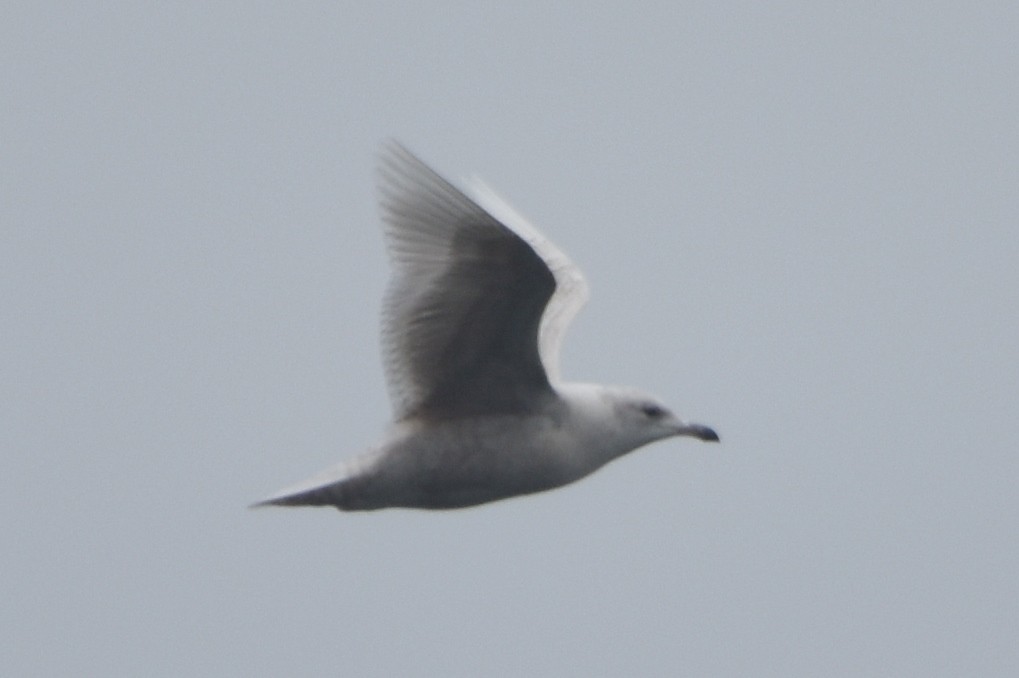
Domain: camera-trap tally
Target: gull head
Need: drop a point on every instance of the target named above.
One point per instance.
(648, 420)
(618, 420)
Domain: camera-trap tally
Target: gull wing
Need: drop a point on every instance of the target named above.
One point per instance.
(464, 311)
(571, 291)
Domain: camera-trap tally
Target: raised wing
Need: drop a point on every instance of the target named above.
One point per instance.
(571, 290)
(463, 313)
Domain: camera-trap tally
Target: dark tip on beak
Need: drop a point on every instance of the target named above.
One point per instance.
(707, 434)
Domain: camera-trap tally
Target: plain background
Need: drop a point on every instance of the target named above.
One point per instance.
(799, 221)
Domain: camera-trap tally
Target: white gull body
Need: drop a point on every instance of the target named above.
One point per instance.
(472, 323)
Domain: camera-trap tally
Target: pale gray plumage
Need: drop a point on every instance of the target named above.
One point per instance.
(472, 325)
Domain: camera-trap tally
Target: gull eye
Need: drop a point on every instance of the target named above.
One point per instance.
(651, 411)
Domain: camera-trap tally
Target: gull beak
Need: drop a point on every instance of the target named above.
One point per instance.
(699, 431)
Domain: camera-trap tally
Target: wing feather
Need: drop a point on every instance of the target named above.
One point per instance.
(463, 327)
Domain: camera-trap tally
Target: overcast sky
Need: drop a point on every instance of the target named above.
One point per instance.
(800, 224)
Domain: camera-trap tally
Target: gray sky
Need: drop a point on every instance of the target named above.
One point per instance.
(799, 222)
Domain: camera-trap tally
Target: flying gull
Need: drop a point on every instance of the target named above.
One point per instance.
(472, 323)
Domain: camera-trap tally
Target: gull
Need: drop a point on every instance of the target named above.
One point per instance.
(472, 323)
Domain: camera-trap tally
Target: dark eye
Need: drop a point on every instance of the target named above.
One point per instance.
(652, 411)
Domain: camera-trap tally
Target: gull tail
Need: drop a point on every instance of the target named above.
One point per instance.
(332, 487)
(328, 495)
